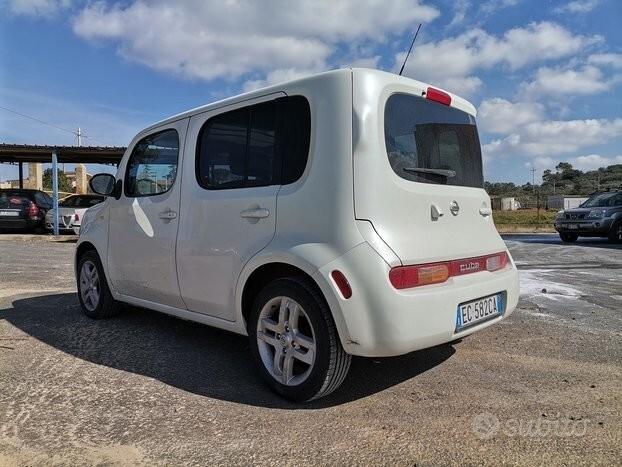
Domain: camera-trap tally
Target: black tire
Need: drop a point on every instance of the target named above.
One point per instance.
(568, 237)
(331, 362)
(615, 234)
(107, 307)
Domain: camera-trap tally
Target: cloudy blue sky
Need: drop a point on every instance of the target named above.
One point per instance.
(546, 76)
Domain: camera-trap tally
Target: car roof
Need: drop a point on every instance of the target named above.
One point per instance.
(457, 101)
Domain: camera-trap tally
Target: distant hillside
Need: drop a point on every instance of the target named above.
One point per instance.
(564, 180)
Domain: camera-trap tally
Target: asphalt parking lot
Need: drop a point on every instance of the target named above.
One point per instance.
(542, 387)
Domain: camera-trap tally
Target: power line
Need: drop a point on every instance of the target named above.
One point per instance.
(38, 120)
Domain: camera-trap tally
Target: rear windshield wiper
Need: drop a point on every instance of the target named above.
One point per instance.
(442, 172)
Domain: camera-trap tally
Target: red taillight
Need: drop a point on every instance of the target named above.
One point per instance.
(342, 283)
(76, 217)
(496, 262)
(439, 96)
(405, 277)
(33, 210)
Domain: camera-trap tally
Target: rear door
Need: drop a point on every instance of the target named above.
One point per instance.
(228, 211)
(422, 186)
(143, 222)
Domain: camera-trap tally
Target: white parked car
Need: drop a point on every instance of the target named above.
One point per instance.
(336, 215)
(70, 212)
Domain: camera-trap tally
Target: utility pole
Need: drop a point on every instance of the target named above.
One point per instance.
(533, 177)
(79, 135)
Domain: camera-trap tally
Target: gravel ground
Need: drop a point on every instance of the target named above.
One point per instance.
(543, 387)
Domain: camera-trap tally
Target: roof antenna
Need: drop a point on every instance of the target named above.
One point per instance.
(411, 47)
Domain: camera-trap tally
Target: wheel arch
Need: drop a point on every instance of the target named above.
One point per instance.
(81, 249)
(255, 277)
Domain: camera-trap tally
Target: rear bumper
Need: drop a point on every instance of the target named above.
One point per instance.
(18, 223)
(382, 321)
(596, 227)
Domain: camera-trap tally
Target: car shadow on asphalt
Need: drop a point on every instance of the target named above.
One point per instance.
(554, 239)
(190, 356)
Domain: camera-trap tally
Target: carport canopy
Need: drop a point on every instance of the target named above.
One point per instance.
(20, 153)
(16, 153)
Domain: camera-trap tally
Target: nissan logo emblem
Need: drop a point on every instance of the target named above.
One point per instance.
(454, 208)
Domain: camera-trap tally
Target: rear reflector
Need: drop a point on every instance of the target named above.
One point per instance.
(405, 277)
(439, 96)
(342, 283)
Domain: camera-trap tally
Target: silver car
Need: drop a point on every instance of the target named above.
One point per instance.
(68, 209)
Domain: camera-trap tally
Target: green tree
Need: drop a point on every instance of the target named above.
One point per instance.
(64, 184)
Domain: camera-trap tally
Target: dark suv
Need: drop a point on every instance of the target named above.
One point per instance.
(599, 216)
(24, 209)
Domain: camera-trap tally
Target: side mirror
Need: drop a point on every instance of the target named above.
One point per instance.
(103, 184)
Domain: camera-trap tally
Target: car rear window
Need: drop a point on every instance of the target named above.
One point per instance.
(13, 199)
(431, 143)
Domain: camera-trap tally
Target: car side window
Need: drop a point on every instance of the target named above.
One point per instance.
(259, 145)
(152, 166)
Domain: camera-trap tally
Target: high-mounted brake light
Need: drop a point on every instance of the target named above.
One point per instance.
(405, 277)
(439, 96)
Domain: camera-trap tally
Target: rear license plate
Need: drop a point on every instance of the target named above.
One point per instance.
(477, 311)
(572, 226)
(6, 212)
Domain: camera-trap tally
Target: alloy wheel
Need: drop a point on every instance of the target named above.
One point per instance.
(286, 341)
(89, 285)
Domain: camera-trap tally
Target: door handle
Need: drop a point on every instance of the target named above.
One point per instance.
(485, 211)
(258, 213)
(167, 215)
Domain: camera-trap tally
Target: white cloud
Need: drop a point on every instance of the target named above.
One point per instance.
(501, 116)
(541, 163)
(549, 138)
(364, 62)
(594, 161)
(276, 76)
(461, 8)
(583, 81)
(465, 12)
(452, 60)
(262, 41)
(37, 7)
(578, 6)
(584, 163)
(607, 59)
(492, 6)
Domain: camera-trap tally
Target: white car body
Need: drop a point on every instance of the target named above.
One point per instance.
(69, 218)
(189, 253)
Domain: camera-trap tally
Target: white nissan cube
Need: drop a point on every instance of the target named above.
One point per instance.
(336, 215)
